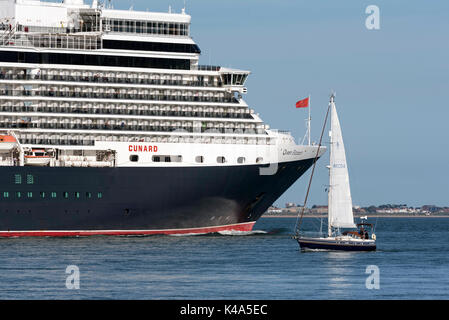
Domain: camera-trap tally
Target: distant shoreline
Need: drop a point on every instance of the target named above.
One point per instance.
(367, 215)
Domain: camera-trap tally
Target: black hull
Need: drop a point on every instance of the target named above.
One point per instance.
(329, 245)
(127, 200)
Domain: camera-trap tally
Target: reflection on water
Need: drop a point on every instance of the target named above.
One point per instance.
(338, 272)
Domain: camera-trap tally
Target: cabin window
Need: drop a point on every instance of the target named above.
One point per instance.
(221, 159)
(241, 160)
(53, 194)
(42, 194)
(115, 27)
(128, 26)
(77, 195)
(99, 195)
(138, 27)
(147, 27)
(29, 194)
(6, 194)
(88, 195)
(65, 195)
(134, 158)
(30, 179)
(199, 159)
(18, 194)
(17, 179)
(167, 158)
(259, 159)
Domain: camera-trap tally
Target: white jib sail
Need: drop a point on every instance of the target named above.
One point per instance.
(340, 201)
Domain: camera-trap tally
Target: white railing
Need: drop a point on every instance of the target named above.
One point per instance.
(7, 34)
(73, 41)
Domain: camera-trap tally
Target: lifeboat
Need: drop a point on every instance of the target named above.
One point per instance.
(37, 157)
(7, 143)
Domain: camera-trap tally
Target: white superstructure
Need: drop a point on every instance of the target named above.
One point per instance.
(101, 87)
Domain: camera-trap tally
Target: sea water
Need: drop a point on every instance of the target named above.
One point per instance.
(411, 262)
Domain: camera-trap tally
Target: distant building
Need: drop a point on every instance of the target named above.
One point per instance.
(318, 209)
(430, 208)
(294, 209)
(274, 210)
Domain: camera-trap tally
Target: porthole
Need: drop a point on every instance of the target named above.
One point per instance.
(221, 159)
(241, 160)
(134, 158)
(199, 159)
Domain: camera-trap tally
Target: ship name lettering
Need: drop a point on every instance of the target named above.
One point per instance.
(142, 148)
(291, 152)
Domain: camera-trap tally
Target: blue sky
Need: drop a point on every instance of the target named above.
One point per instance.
(392, 84)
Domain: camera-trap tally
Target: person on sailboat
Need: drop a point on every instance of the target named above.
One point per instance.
(361, 232)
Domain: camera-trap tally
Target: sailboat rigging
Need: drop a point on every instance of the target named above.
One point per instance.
(340, 214)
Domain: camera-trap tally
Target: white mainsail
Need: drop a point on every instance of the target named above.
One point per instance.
(340, 201)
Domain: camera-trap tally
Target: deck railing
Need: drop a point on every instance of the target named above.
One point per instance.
(12, 36)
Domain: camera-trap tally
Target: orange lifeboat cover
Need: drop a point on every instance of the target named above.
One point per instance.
(7, 138)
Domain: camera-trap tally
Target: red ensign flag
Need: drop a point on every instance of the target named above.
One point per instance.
(304, 103)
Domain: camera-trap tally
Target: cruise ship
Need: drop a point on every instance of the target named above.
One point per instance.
(110, 126)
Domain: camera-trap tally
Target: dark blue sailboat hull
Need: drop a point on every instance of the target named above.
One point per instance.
(330, 244)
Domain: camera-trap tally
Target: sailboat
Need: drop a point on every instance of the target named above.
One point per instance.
(340, 214)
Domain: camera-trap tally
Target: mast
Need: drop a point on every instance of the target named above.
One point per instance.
(329, 193)
(309, 120)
